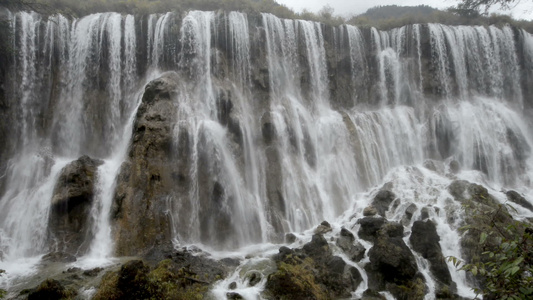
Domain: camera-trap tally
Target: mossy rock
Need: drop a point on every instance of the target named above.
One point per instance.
(167, 281)
(295, 279)
(51, 289)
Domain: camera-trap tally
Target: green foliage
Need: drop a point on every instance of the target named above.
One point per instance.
(505, 262)
(475, 6)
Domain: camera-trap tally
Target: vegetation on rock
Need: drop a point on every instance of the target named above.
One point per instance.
(135, 281)
(51, 289)
(500, 250)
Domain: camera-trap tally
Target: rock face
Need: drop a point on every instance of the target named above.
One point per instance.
(150, 174)
(483, 212)
(311, 273)
(383, 199)
(69, 227)
(425, 240)
(393, 265)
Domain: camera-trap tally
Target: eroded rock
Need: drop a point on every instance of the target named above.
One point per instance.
(425, 240)
(69, 218)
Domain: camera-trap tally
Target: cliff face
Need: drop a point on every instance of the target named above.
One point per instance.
(261, 126)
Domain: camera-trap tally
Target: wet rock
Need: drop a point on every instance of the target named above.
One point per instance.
(324, 227)
(392, 264)
(433, 165)
(382, 200)
(230, 262)
(409, 212)
(153, 172)
(463, 190)
(51, 289)
(369, 211)
(372, 295)
(133, 280)
(424, 213)
(290, 238)
(369, 227)
(317, 248)
(184, 274)
(515, 197)
(311, 273)
(92, 272)
(354, 250)
(253, 278)
(72, 199)
(232, 285)
(454, 167)
(234, 296)
(73, 270)
(59, 257)
(425, 240)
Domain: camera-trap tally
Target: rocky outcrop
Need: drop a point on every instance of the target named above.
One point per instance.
(51, 289)
(392, 265)
(425, 240)
(483, 212)
(181, 276)
(152, 173)
(69, 219)
(311, 273)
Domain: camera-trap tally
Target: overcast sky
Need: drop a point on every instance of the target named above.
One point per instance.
(523, 10)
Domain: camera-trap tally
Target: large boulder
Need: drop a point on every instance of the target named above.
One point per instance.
(393, 265)
(151, 174)
(51, 289)
(311, 273)
(72, 200)
(181, 276)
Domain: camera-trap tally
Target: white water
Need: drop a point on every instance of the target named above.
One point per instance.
(323, 163)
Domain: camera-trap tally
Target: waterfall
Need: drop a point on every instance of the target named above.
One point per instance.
(276, 124)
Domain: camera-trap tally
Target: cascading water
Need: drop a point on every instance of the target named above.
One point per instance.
(58, 124)
(268, 139)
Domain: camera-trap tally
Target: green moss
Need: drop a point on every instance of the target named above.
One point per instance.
(108, 287)
(165, 282)
(295, 278)
(413, 290)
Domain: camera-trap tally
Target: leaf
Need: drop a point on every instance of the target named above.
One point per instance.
(483, 237)
(518, 261)
(474, 271)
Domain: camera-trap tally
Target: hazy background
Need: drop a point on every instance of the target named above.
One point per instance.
(346, 8)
